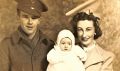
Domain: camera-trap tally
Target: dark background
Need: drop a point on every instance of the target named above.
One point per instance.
(54, 20)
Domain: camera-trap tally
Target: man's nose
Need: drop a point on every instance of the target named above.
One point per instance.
(30, 20)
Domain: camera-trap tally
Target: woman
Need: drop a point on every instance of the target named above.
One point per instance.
(87, 30)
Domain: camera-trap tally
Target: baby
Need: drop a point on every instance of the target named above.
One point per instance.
(66, 56)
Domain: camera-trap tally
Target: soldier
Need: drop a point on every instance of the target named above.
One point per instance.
(27, 47)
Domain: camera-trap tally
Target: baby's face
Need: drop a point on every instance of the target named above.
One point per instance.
(65, 44)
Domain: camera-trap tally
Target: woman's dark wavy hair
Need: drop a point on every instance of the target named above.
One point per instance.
(85, 16)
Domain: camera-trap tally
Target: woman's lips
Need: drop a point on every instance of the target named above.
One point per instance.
(85, 38)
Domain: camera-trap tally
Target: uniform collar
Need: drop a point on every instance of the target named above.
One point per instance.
(16, 37)
(19, 35)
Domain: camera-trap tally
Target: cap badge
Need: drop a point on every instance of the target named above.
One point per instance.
(32, 8)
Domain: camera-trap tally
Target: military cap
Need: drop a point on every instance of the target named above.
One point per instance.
(32, 7)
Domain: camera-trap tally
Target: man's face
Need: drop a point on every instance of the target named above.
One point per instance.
(28, 23)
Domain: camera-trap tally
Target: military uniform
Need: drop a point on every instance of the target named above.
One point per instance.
(18, 52)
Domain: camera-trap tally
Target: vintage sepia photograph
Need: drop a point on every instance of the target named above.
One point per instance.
(59, 35)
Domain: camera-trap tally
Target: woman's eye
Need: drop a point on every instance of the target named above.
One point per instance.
(88, 29)
(79, 29)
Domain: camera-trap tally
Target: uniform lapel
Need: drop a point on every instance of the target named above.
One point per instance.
(36, 38)
(94, 56)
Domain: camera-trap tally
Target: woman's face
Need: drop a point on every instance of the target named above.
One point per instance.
(85, 30)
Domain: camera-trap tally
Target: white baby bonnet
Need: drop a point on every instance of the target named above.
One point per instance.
(62, 34)
(65, 33)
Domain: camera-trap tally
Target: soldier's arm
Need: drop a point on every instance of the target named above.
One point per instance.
(4, 57)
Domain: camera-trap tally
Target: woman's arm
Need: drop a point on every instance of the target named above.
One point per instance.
(108, 63)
